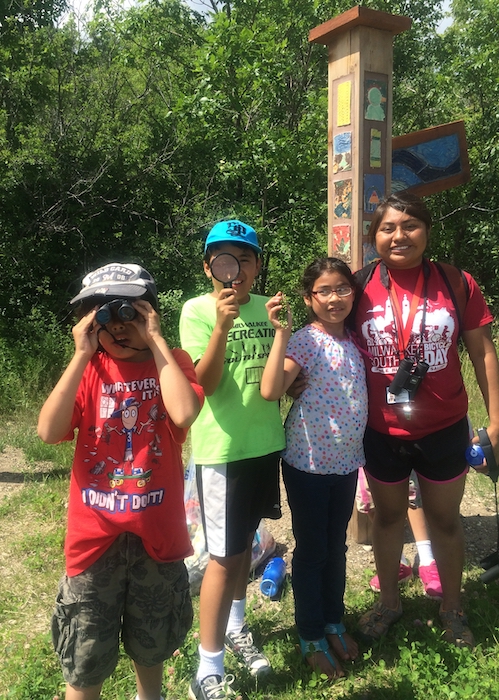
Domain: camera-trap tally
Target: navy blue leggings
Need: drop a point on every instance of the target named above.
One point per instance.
(321, 507)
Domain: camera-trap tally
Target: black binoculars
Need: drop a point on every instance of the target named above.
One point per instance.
(410, 374)
(123, 309)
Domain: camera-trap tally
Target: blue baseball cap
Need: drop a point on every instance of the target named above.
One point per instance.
(232, 231)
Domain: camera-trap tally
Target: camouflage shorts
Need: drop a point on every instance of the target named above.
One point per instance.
(124, 593)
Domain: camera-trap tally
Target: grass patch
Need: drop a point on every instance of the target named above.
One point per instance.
(412, 663)
(20, 432)
(32, 670)
(477, 411)
(482, 487)
(31, 538)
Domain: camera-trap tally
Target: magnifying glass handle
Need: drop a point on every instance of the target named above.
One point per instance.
(227, 285)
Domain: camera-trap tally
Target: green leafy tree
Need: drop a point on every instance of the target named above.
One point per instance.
(19, 14)
(467, 230)
(130, 139)
(93, 168)
(261, 104)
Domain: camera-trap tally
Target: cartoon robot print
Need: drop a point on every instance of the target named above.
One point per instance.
(128, 412)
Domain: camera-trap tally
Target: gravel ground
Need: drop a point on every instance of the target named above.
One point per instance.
(478, 517)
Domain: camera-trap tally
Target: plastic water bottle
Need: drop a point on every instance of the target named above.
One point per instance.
(474, 455)
(273, 576)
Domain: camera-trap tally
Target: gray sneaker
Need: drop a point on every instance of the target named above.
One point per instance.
(212, 688)
(241, 644)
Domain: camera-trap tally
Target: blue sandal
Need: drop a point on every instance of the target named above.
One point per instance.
(339, 630)
(318, 645)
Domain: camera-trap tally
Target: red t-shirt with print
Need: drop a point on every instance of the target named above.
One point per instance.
(441, 399)
(127, 473)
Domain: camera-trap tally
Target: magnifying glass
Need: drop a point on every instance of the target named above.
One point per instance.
(225, 268)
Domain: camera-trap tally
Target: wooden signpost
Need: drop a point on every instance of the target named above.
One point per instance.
(361, 169)
(360, 166)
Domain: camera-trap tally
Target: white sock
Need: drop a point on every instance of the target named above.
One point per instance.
(403, 559)
(236, 616)
(211, 663)
(425, 552)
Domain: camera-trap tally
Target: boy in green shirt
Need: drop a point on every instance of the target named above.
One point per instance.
(236, 443)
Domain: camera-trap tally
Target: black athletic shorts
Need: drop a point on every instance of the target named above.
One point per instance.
(234, 497)
(438, 456)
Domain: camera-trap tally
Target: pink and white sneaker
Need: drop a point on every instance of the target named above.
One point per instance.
(431, 581)
(405, 574)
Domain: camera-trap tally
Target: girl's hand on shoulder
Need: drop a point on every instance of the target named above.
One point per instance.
(296, 389)
(147, 321)
(274, 307)
(85, 334)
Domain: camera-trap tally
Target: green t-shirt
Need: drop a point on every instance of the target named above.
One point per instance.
(235, 422)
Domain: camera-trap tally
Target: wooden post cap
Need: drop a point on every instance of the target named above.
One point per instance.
(326, 32)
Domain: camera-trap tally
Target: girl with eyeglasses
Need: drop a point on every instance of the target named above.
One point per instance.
(324, 431)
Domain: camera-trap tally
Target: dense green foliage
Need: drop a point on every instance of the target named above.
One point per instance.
(127, 137)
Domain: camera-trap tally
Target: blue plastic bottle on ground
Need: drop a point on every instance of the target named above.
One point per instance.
(474, 455)
(273, 576)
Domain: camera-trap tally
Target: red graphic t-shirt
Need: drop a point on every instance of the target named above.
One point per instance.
(127, 473)
(441, 399)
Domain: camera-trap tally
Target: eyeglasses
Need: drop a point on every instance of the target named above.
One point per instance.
(326, 294)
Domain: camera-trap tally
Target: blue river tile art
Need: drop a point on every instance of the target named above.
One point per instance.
(425, 162)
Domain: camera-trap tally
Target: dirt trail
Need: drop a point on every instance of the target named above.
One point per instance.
(478, 514)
